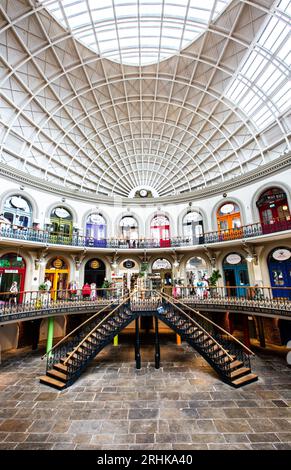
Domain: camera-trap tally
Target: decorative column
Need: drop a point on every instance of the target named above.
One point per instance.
(115, 340)
(50, 334)
(178, 340)
(157, 344)
(261, 332)
(137, 345)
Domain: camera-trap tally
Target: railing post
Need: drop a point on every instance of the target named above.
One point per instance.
(137, 344)
(157, 344)
(50, 334)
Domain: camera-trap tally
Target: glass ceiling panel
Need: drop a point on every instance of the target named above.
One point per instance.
(266, 71)
(161, 27)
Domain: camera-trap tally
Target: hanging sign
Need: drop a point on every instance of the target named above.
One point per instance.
(95, 264)
(282, 255)
(128, 264)
(233, 259)
(227, 209)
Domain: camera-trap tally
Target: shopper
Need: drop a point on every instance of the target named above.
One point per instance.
(86, 291)
(13, 293)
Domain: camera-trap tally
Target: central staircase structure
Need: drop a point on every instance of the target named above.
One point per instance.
(228, 356)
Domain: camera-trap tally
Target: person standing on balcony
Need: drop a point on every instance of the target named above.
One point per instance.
(86, 291)
(13, 293)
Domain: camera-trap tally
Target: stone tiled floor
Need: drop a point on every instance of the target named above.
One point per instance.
(183, 405)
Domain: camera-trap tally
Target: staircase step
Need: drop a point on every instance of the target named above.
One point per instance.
(44, 379)
(240, 372)
(246, 379)
(235, 364)
(56, 374)
(60, 367)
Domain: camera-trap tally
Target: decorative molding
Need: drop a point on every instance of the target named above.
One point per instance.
(276, 166)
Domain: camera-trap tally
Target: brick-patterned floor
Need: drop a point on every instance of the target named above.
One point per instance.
(183, 405)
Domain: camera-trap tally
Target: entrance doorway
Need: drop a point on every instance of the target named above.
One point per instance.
(12, 269)
(236, 275)
(160, 231)
(274, 210)
(95, 272)
(279, 263)
(57, 272)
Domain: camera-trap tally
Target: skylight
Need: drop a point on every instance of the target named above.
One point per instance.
(262, 87)
(136, 32)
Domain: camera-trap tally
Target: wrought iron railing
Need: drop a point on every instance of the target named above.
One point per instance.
(48, 238)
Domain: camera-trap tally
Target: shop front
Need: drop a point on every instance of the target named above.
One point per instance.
(236, 276)
(279, 264)
(12, 269)
(229, 221)
(95, 272)
(274, 211)
(57, 275)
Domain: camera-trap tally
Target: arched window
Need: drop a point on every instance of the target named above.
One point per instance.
(274, 210)
(160, 230)
(18, 211)
(96, 230)
(229, 221)
(61, 222)
(193, 227)
(129, 228)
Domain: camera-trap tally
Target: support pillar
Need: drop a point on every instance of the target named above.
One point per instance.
(246, 331)
(261, 332)
(35, 327)
(115, 340)
(137, 344)
(157, 344)
(50, 334)
(178, 340)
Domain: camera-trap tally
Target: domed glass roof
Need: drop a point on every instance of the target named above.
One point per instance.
(136, 32)
(206, 114)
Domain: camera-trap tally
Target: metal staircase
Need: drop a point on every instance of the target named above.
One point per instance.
(228, 356)
(67, 360)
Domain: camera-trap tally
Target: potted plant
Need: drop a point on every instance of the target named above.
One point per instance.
(213, 282)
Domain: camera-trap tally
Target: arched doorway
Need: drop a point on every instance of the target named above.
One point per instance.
(160, 230)
(129, 230)
(12, 269)
(61, 225)
(196, 270)
(229, 221)
(96, 230)
(279, 263)
(161, 276)
(18, 211)
(95, 272)
(274, 210)
(193, 227)
(236, 275)
(57, 272)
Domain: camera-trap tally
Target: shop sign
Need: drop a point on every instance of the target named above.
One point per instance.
(95, 264)
(233, 259)
(11, 271)
(227, 209)
(282, 254)
(128, 264)
(58, 263)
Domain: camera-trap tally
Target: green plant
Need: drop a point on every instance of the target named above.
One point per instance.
(42, 286)
(214, 278)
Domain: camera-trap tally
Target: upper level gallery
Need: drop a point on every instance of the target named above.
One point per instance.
(47, 217)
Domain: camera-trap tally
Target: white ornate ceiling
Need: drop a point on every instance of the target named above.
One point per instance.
(196, 116)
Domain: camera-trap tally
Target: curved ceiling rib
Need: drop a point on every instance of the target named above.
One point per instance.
(205, 115)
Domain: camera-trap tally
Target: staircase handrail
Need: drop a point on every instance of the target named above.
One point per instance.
(78, 327)
(198, 325)
(213, 323)
(94, 329)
